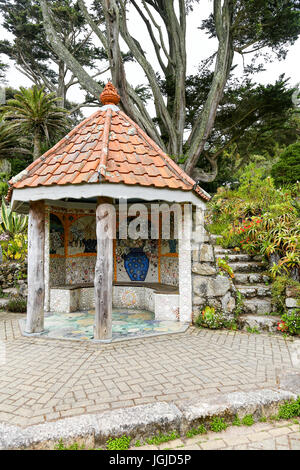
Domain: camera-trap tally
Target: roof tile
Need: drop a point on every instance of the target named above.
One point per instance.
(132, 157)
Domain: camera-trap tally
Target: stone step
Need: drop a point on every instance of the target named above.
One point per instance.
(247, 266)
(259, 290)
(220, 250)
(257, 306)
(214, 238)
(262, 323)
(232, 257)
(250, 278)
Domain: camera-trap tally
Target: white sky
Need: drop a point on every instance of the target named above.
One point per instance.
(199, 47)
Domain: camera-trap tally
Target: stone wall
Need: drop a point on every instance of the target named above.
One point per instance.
(210, 288)
(292, 300)
(12, 274)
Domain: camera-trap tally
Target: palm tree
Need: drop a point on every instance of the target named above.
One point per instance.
(10, 145)
(33, 112)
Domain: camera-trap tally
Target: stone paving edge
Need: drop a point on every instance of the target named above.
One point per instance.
(141, 421)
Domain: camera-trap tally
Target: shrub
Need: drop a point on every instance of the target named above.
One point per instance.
(289, 409)
(290, 323)
(287, 169)
(210, 318)
(260, 219)
(279, 292)
(17, 304)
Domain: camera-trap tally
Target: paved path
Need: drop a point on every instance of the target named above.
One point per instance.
(281, 435)
(44, 379)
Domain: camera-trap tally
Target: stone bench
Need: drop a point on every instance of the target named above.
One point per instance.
(161, 299)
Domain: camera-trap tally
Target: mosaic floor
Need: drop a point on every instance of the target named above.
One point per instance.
(125, 325)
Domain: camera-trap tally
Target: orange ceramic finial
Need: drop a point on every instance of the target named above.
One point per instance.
(110, 95)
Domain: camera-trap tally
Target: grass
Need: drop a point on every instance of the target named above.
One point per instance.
(161, 438)
(119, 443)
(218, 424)
(196, 431)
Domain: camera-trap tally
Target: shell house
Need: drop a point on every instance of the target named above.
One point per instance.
(106, 160)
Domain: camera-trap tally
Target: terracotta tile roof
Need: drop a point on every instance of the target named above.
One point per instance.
(106, 147)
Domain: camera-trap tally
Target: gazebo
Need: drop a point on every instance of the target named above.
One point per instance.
(107, 161)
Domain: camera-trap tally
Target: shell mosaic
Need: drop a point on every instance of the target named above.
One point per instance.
(126, 324)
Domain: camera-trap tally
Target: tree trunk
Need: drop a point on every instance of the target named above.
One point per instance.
(36, 145)
(103, 272)
(36, 284)
(205, 123)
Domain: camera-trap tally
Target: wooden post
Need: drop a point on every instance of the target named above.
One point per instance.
(104, 272)
(35, 275)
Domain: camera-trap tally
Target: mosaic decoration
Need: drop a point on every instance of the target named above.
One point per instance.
(80, 270)
(125, 324)
(57, 272)
(136, 264)
(146, 247)
(82, 236)
(169, 271)
(169, 247)
(57, 237)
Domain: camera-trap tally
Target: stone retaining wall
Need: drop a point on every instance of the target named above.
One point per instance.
(12, 274)
(210, 288)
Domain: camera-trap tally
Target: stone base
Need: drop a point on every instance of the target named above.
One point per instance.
(164, 304)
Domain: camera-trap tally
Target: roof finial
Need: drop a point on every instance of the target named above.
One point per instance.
(110, 95)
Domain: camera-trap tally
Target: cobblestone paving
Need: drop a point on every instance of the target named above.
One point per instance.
(44, 379)
(282, 435)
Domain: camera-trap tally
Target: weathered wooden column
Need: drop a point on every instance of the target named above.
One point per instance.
(104, 270)
(35, 274)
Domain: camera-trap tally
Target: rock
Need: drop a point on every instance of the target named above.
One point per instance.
(208, 287)
(292, 291)
(204, 269)
(199, 301)
(259, 322)
(228, 303)
(292, 303)
(256, 305)
(206, 253)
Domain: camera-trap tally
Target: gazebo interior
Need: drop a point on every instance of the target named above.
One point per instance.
(145, 277)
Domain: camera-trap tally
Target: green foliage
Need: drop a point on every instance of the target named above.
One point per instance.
(247, 420)
(253, 330)
(225, 267)
(287, 169)
(17, 304)
(290, 409)
(260, 219)
(279, 286)
(210, 318)
(11, 222)
(119, 443)
(36, 114)
(290, 322)
(239, 298)
(201, 429)
(75, 446)
(161, 438)
(236, 421)
(218, 424)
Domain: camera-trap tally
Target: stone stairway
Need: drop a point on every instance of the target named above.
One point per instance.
(254, 284)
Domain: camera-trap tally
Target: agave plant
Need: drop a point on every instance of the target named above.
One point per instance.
(11, 222)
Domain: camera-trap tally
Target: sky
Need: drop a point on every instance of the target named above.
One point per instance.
(199, 47)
